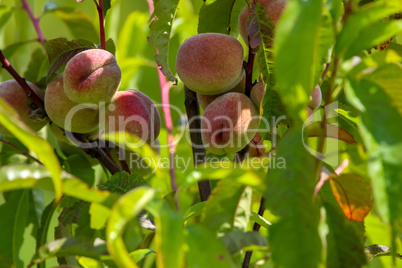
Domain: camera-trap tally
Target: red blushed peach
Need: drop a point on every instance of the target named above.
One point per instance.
(133, 112)
(315, 98)
(274, 10)
(229, 123)
(257, 94)
(92, 76)
(210, 63)
(13, 94)
(66, 114)
(205, 100)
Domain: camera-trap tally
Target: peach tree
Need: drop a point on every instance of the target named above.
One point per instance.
(215, 133)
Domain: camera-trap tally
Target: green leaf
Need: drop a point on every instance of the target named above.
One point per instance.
(106, 6)
(377, 33)
(79, 166)
(37, 66)
(380, 127)
(345, 246)
(194, 210)
(24, 176)
(169, 235)
(77, 21)
(205, 249)
(41, 235)
(122, 182)
(294, 238)
(296, 54)
(236, 241)
(220, 16)
(260, 220)
(222, 216)
(161, 30)
(36, 144)
(14, 220)
(110, 46)
(125, 209)
(361, 21)
(60, 51)
(5, 14)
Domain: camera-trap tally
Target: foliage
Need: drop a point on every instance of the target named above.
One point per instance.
(330, 183)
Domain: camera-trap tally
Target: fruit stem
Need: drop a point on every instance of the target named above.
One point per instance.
(199, 153)
(20, 150)
(35, 21)
(21, 81)
(99, 8)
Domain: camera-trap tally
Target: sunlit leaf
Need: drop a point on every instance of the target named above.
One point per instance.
(78, 23)
(5, 14)
(161, 31)
(45, 153)
(219, 16)
(126, 208)
(295, 64)
(332, 131)
(353, 195)
(260, 220)
(194, 210)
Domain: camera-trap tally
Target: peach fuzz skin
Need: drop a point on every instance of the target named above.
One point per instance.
(58, 106)
(92, 76)
(229, 123)
(274, 10)
(134, 112)
(210, 63)
(12, 93)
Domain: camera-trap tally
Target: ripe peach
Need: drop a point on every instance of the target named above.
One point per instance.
(315, 98)
(92, 76)
(66, 114)
(229, 123)
(205, 100)
(134, 112)
(12, 93)
(210, 63)
(274, 10)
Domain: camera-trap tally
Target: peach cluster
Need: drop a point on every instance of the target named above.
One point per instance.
(211, 64)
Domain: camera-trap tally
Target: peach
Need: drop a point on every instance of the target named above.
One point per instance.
(66, 114)
(210, 63)
(205, 100)
(229, 123)
(134, 112)
(257, 148)
(92, 76)
(13, 94)
(274, 10)
(257, 94)
(315, 98)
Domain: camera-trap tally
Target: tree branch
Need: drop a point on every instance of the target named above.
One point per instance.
(99, 8)
(199, 153)
(21, 81)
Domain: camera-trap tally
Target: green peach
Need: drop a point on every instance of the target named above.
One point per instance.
(66, 114)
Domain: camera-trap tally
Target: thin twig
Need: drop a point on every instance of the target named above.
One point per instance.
(256, 228)
(20, 150)
(35, 21)
(21, 81)
(99, 8)
(199, 153)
